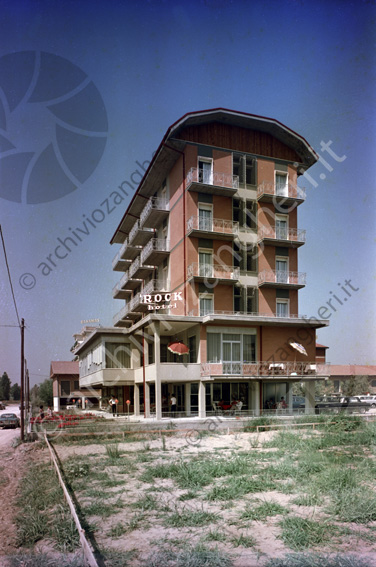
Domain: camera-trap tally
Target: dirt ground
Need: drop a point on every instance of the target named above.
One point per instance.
(14, 462)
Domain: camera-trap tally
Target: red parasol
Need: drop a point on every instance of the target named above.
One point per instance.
(178, 348)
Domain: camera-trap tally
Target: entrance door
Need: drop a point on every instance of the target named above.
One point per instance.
(231, 354)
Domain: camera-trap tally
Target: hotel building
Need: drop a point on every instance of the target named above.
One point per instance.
(208, 259)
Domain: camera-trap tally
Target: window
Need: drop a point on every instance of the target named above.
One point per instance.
(244, 212)
(281, 187)
(205, 263)
(282, 308)
(192, 349)
(244, 166)
(249, 348)
(245, 257)
(281, 227)
(205, 171)
(281, 266)
(206, 303)
(244, 299)
(205, 217)
(117, 355)
(151, 353)
(233, 349)
(76, 385)
(250, 215)
(65, 387)
(214, 347)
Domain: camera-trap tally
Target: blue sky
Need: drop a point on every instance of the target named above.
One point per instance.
(308, 64)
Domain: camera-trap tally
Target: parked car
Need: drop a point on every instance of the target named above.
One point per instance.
(371, 400)
(346, 403)
(9, 420)
(2, 406)
(298, 402)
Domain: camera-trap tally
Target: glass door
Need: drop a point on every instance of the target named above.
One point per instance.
(282, 270)
(205, 219)
(281, 185)
(281, 228)
(231, 354)
(205, 172)
(206, 264)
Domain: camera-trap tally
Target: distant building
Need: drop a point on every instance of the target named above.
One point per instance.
(208, 250)
(340, 373)
(66, 387)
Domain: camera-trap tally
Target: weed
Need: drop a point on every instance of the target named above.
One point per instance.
(63, 530)
(187, 496)
(147, 502)
(117, 558)
(263, 511)
(191, 518)
(214, 535)
(316, 560)
(243, 541)
(43, 560)
(199, 556)
(358, 506)
(301, 533)
(117, 530)
(113, 452)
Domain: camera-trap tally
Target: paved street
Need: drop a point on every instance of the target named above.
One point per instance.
(7, 435)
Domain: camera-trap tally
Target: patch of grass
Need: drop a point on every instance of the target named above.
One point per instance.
(63, 530)
(263, 511)
(112, 451)
(103, 508)
(31, 526)
(117, 530)
(243, 541)
(199, 556)
(117, 558)
(308, 499)
(214, 535)
(316, 560)
(235, 488)
(43, 560)
(252, 424)
(187, 496)
(302, 533)
(189, 518)
(358, 506)
(147, 502)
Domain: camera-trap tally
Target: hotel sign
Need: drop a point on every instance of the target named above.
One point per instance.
(162, 300)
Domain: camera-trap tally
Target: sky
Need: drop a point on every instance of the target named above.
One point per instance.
(87, 91)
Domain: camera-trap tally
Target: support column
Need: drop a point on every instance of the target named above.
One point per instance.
(187, 399)
(147, 399)
(157, 358)
(254, 397)
(289, 386)
(201, 400)
(310, 397)
(136, 401)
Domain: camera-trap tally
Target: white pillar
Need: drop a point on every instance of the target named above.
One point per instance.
(289, 386)
(157, 358)
(187, 399)
(147, 400)
(201, 400)
(136, 400)
(254, 397)
(310, 396)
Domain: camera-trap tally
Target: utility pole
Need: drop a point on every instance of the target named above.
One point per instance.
(22, 379)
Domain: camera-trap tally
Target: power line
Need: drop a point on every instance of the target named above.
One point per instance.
(10, 279)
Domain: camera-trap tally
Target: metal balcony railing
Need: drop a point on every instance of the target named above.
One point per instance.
(281, 233)
(157, 203)
(156, 244)
(218, 312)
(216, 271)
(196, 175)
(288, 191)
(281, 277)
(267, 368)
(221, 226)
(134, 266)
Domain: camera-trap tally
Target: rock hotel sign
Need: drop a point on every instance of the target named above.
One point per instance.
(161, 300)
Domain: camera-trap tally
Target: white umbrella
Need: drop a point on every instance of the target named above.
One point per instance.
(297, 346)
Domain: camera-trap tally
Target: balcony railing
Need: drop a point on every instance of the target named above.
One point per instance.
(281, 277)
(154, 204)
(265, 369)
(219, 226)
(219, 313)
(155, 285)
(281, 233)
(154, 245)
(286, 191)
(216, 271)
(139, 235)
(196, 175)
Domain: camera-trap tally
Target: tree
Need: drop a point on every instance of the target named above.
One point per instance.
(15, 392)
(5, 387)
(45, 392)
(356, 386)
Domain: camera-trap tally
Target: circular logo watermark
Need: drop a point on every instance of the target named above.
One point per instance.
(53, 127)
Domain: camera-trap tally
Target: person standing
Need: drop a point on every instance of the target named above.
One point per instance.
(112, 403)
(173, 404)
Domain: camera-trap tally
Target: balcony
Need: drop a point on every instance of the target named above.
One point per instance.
(118, 292)
(275, 235)
(155, 211)
(247, 315)
(155, 251)
(214, 183)
(213, 274)
(139, 271)
(119, 264)
(265, 370)
(129, 251)
(126, 285)
(120, 319)
(220, 229)
(139, 235)
(282, 279)
(288, 194)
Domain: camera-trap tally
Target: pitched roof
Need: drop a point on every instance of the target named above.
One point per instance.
(64, 367)
(352, 370)
(321, 346)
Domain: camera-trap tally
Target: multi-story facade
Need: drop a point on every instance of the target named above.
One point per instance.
(208, 255)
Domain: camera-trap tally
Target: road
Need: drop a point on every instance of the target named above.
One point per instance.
(7, 435)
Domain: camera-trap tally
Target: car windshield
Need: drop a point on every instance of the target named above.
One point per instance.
(9, 415)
